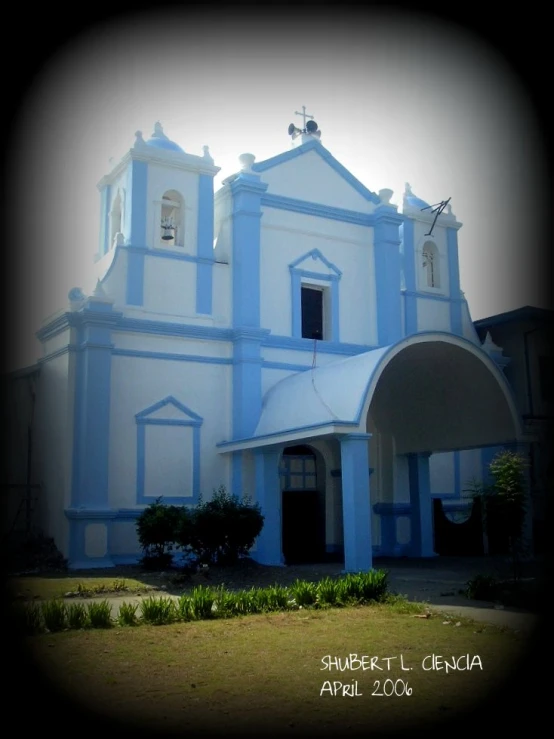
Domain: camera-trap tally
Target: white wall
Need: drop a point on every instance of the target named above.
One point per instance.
(287, 236)
(138, 383)
(433, 315)
(315, 181)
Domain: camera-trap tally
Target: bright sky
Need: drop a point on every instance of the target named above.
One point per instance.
(397, 100)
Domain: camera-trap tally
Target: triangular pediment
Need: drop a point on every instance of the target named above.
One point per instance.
(168, 409)
(311, 173)
(314, 262)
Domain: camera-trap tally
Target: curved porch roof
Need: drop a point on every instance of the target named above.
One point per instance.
(433, 391)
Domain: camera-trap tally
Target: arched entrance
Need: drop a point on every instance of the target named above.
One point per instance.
(303, 505)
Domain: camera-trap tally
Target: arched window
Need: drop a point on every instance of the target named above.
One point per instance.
(430, 264)
(116, 221)
(172, 219)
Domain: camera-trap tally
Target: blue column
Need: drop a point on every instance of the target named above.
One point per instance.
(356, 508)
(135, 230)
(454, 281)
(269, 550)
(408, 255)
(422, 505)
(205, 242)
(247, 381)
(387, 275)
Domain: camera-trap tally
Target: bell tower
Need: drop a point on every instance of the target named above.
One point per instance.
(157, 208)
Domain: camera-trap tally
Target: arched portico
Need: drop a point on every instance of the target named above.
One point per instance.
(429, 392)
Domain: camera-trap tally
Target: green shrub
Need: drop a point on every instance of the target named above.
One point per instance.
(304, 593)
(278, 598)
(327, 592)
(247, 602)
(128, 614)
(77, 616)
(100, 614)
(221, 530)
(373, 585)
(202, 600)
(184, 609)
(157, 528)
(158, 611)
(54, 613)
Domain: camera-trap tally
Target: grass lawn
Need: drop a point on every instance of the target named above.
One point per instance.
(248, 673)
(45, 588)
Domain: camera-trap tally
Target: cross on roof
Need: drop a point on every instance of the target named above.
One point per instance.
(304, 115)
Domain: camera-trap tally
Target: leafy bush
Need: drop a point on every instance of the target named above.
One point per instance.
(327, 592)
(202, 600)
(77, 616)
(128, 614)
(54, 613)
(304, 593)
(158, 611)
(100, 614)
(221, 530)
(278, 598)
(157, 528)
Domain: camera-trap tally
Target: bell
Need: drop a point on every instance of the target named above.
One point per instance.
(168, 229)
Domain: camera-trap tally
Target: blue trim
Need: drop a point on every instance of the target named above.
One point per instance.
(280, 202)
(137, 203)
(167, 328)
(247, 384)
(285, 366)
(387, 275)
(91, 421)
(457, 481)
(105, 196)
(409, 292)
(356, 502)
(170, 356)
(330, 424)
(135, 277)
(421, 504)
(193, 420)
(247, 361)
(161, 253)
(432, 296)
(328, 157)
(454, 281)
(269, 549)
(315, 254)
(204, 272)
(300, 277)
(247, 193)
(323, 347)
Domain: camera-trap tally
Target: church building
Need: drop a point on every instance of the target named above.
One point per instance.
(294, 337)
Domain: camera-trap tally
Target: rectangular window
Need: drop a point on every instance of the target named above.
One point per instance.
(312, 313)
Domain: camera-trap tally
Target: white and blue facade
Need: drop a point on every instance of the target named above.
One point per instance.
(195, 363)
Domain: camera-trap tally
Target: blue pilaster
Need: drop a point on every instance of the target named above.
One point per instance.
(91, 424)
(454, 281)
(104, 245)
(247, 359)
(408, 255)
(356, 506)
(387, 275)
(269, 549)
(236, 474)
(135, 227)
(421, 505)
(205, 241)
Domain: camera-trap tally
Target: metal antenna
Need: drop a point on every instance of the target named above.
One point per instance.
(437, 209)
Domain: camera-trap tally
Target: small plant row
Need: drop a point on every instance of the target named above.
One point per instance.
(206, 602)
(84, 590)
